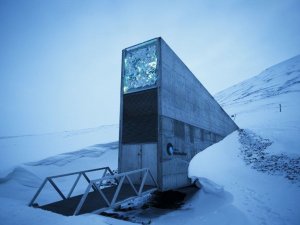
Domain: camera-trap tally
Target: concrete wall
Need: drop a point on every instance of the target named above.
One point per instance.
(188, 117)
(184, 99)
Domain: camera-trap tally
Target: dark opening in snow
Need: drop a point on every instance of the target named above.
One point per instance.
(159, 204)
(168, 199)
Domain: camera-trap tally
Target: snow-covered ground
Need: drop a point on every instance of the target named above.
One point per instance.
(65, 152)
(251, 177)
(260, 165)
(19, 185)
(31, 147)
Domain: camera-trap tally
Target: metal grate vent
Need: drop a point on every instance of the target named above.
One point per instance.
(140, 117)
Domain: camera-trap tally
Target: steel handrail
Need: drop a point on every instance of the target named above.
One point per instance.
(96, 185)
(114, 202)
(80, 173)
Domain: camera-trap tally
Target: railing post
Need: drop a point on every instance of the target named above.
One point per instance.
(82, 200)
(103, 195)
(104, 174)
(117, 191)
(153, 179)
(131, 184)
(143, 182)
(56, 188)
(88, 180)
(74, 185)
(38, 192)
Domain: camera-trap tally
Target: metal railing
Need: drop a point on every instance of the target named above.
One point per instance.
(98, 184)
(121, 178)
(79, 174)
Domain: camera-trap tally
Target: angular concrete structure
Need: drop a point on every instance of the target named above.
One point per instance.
(166, 115)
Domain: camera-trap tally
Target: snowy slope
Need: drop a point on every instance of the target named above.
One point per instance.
(26, 148)
(260, 197)
(251, 177)
(19, 185)
(256, 104)
(260, 165)
(283, 78)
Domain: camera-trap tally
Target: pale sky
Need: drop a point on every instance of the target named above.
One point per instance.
(60, 61)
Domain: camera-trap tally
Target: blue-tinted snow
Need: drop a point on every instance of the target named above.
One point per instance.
(28, 148)
(233, 192)
(260, 164)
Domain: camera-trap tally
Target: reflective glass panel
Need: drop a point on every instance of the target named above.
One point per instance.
(140, 68)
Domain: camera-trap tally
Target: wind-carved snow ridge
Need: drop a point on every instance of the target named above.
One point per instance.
(94, 151)
(254, 153)
(22, 176)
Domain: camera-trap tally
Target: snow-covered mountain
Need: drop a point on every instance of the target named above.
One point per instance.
(250, 177)
(269, 105)
(256, 104)
(283, 78)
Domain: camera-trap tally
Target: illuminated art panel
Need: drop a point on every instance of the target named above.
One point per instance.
(140, 67)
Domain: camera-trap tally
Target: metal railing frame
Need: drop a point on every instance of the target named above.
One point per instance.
(79, 174)
(121, 177)
(97, 184)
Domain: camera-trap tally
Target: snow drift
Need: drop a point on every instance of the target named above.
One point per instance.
(260, 164)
